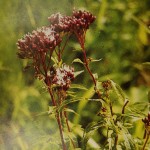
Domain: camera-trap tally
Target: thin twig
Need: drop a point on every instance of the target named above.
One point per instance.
(123, 108)
(62, 50)
(147, 138)
(89, 71)
(116, 141)
(111, 110)
(65, 114)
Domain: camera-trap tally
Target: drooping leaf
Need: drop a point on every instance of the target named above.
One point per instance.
(77, 86)
(141, 106)
(90, 130)
(77, 60)
(95, 125)
(71, 93)
(95, 60)
(69, 101)
(119, 92)
(54, 59)
(110, 143)
(70, 110)
(146, 65)
(134, 113)
(128, 139)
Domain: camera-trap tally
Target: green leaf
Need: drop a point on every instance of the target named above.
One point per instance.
(110, 143)
(54, 59)
(129, 143)
(128, 140)
(95, 125)
(135, 113)
(119, 92)
(95, 60)
(77, 60)
(52, 110)
(70, 110)
(69, 101)
(140, 106)
(90, 130)
(71, 93)
(146, 65)
(77, 86)
(78, 73)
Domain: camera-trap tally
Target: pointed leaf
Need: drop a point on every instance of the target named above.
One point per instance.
(77, 60)
(119, 92)
(78, 73)
(70, 110)
(95, 60)
(146, 65)
(77, 86)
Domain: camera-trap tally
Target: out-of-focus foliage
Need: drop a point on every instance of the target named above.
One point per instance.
(120, 37)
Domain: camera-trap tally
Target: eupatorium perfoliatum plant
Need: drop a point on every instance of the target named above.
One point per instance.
(44, 48)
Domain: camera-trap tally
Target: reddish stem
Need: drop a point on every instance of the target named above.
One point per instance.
(88, 69)
(87, 66)
(54, 103)
(65, 114)
(57, 115)
(147, 138)
(62, 50)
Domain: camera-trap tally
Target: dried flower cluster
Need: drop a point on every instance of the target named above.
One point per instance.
(77, 23)
(107, 85)
(146, 120)
(40, 40)
(63, 76)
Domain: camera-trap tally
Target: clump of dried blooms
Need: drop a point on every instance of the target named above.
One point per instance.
(60, 23)
(82, 20)
(37, 46)
(40, 40)
(63, 76)
(146, 121)
(107, 85)
(77, 23)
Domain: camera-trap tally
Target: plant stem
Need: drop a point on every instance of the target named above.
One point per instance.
(65, 114)
(62, 50)
(116, 141)
(111, 110)
(89, 71)
(123, 108)
(61, 132)
(57, 115)
(147, 138)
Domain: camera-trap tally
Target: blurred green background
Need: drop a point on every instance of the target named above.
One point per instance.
(120, 36)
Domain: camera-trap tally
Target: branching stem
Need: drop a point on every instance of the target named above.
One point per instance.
(88, 69)
(123, 108)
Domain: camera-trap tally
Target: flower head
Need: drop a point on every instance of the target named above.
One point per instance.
(79, 21)
(146, 120)
(82, 20)
(40, 40)
(37, 46)
(63, 76)
(60, 23)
